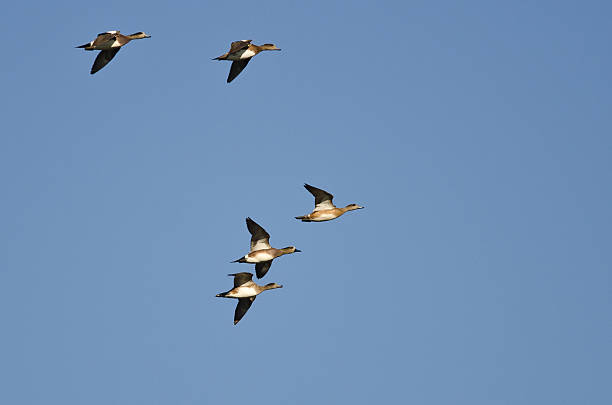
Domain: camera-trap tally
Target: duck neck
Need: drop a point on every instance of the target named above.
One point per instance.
(285, 251)
(138, 35)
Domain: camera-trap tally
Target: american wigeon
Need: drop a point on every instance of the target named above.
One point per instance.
(324, 209)
(245, 290)
(109, 43)
(261, 252)
(240, 54)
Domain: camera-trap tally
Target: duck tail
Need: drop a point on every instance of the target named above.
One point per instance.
(241, 260)
(221, 295)
(84, 45)
(303, 218)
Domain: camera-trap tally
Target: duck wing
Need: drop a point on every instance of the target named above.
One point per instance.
(241, 278)
(243, 306)
(262, 268)
(323, 199)
(236, 68)
(260, 239)
(105, 37)
(239, 45)
(103, 58)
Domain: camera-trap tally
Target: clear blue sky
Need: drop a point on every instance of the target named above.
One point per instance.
(477, 136)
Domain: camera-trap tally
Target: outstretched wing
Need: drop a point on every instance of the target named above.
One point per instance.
(103, 58)
(323, 199)
(236, 68)
(262, 268)
(239, 45)
(243, 306)
(260, 239)
(241, 278)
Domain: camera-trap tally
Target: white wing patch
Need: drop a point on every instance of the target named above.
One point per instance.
(260, 244)
(247, 54)
(324, 205)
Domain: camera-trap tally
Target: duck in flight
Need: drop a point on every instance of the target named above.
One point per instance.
(245, 290)
(324, 209)
(240, 54)
(261, 252)
(109, 43)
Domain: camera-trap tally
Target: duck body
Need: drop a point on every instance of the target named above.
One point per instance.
(246, 53)
(104, 41)
(324, 209)
(244, 291)
(322, 216)
(262, 255)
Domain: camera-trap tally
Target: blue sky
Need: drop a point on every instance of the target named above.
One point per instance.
(477, 136)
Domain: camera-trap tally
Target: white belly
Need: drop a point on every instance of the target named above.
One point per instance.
(244, 292)
(258, 257)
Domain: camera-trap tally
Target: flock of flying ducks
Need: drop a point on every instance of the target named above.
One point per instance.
(261, 253)
(110, 42)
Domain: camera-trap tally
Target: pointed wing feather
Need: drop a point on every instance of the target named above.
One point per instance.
(260, 239)
(241, 278)
(103, 58)
(323, 199)
(243, 306)
(236, 68)
(238, 45)
(262, 268)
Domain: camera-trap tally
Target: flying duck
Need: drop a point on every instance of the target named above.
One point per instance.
(245, 290)
(261, 252)
(109, 43)
(324, 209)
(240, 54)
